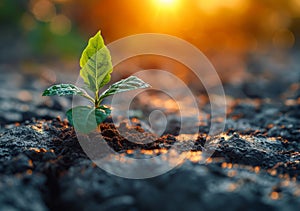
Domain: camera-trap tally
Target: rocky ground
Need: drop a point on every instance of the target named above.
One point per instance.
(255, 166)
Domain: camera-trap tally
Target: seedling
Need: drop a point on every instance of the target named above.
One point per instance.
(96, 67)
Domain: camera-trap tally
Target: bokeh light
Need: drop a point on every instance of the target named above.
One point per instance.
(283, 38)
(60, 25)
(226, 31)
(43, 10)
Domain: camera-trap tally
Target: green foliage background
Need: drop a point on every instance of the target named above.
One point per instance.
(39, 40)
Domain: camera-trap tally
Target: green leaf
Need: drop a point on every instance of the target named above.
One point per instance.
(86, 119)
(95, 63)
(66, 89)
(62, 90)
(128, 84)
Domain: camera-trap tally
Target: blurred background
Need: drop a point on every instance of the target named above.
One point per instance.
(253, 45)
(236, 35)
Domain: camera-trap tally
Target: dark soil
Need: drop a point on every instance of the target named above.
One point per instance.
(256, 164)
(20, 99)
(44, 167)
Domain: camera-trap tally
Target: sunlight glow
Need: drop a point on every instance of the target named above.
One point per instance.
(166, 3)
(214, 6)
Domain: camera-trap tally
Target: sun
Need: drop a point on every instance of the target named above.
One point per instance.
(166, 3)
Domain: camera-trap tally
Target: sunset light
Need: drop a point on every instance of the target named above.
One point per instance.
(166, 3)
(149, 104)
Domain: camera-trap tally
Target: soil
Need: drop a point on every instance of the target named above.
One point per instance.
(255, 166)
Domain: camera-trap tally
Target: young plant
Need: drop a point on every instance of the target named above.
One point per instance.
(96, 67)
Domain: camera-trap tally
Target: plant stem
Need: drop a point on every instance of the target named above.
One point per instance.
(97, 100)
(89, 98)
